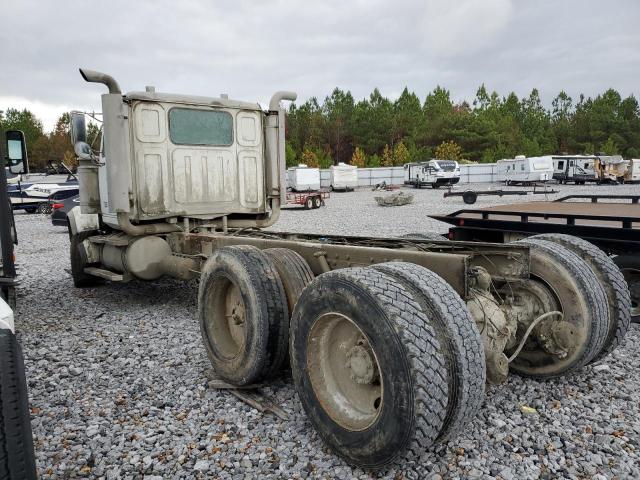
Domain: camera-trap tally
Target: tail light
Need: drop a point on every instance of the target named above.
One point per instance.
(56, 206)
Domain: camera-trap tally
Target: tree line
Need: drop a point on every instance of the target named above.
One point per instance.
(377, 131)
(43, 147)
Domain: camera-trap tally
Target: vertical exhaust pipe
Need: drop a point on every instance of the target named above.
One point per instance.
(99, 77)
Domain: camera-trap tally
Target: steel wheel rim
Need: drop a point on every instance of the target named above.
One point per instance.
(226, 318)
(344, 372)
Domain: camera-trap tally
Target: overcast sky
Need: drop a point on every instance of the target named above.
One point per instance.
(250, 49)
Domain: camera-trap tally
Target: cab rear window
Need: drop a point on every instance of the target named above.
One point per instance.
(190, 126)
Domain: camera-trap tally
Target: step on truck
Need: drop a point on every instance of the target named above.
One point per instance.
(390, 341)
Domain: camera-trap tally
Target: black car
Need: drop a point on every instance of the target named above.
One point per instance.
(60, 208)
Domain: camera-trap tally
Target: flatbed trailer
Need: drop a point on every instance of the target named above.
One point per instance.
(30, 204)
(611, 222)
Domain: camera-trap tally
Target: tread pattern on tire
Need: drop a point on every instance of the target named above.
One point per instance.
(459, 336)
(260, 268)
(17, 459)
(423, 353)
(292, 264)
(612, 280)
(596, 298)
(80, 279)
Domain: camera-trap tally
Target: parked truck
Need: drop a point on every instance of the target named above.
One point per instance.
(390, 341)
(17, 461)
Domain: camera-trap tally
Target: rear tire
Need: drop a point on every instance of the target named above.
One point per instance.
(469, 197)
(457, 333)
(391, 399)
(308, 203)
(293, 270)
(79, 261)
(17, 460)
(629, 265)
(611, 279)
(581, 299)
(317, 202)
(244, 320)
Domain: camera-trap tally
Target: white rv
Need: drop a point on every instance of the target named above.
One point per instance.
(343, 177)
(574, 168)
(303, 178)
(632, 174)
(433, 172)
(525, 170)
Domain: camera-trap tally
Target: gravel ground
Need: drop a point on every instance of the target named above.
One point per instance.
(118, 381)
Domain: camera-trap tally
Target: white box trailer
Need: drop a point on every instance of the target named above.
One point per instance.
(433, 172)
(303, 178)
(525, 170)
(343, 177)
(632, 174)
(574, 168)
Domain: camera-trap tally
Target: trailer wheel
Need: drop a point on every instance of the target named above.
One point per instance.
(580, 297)
(630, 267)
(294, 272)
(44, 208)
(457, 334)
(308, 203)
(79, 262)
(17, 460)
(611, 279)
(316, 202)
(244, 320)
(368, 367)
(469, 197)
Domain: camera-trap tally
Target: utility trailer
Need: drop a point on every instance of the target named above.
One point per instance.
(611, 222)
(390, 341)
(308, 200)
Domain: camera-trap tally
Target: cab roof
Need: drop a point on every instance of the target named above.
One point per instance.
(191, 100)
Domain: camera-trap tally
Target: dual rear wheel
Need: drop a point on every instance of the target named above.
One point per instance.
(386, 360)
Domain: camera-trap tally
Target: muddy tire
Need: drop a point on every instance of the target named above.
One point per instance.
(390, 402)
(457, 334)
(79, 261)
(581, 299)
(629, 265)
(423, 236)
(244, 320)
(17, 461)
(469, 197)
(611, 279)
(294, 272)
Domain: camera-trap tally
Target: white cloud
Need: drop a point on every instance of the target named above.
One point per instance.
(251, 49)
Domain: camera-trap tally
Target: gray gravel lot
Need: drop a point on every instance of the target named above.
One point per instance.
(118, 380)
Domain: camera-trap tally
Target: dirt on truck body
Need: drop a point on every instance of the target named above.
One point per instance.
(390, 341)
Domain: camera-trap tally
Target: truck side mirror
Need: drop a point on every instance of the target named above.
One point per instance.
(16, 151)
(78, 128)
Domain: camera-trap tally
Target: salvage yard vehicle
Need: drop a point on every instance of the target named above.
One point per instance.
(523, 170)
(390, 341)
(574, 168)
(17, 460)
(433, 172)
